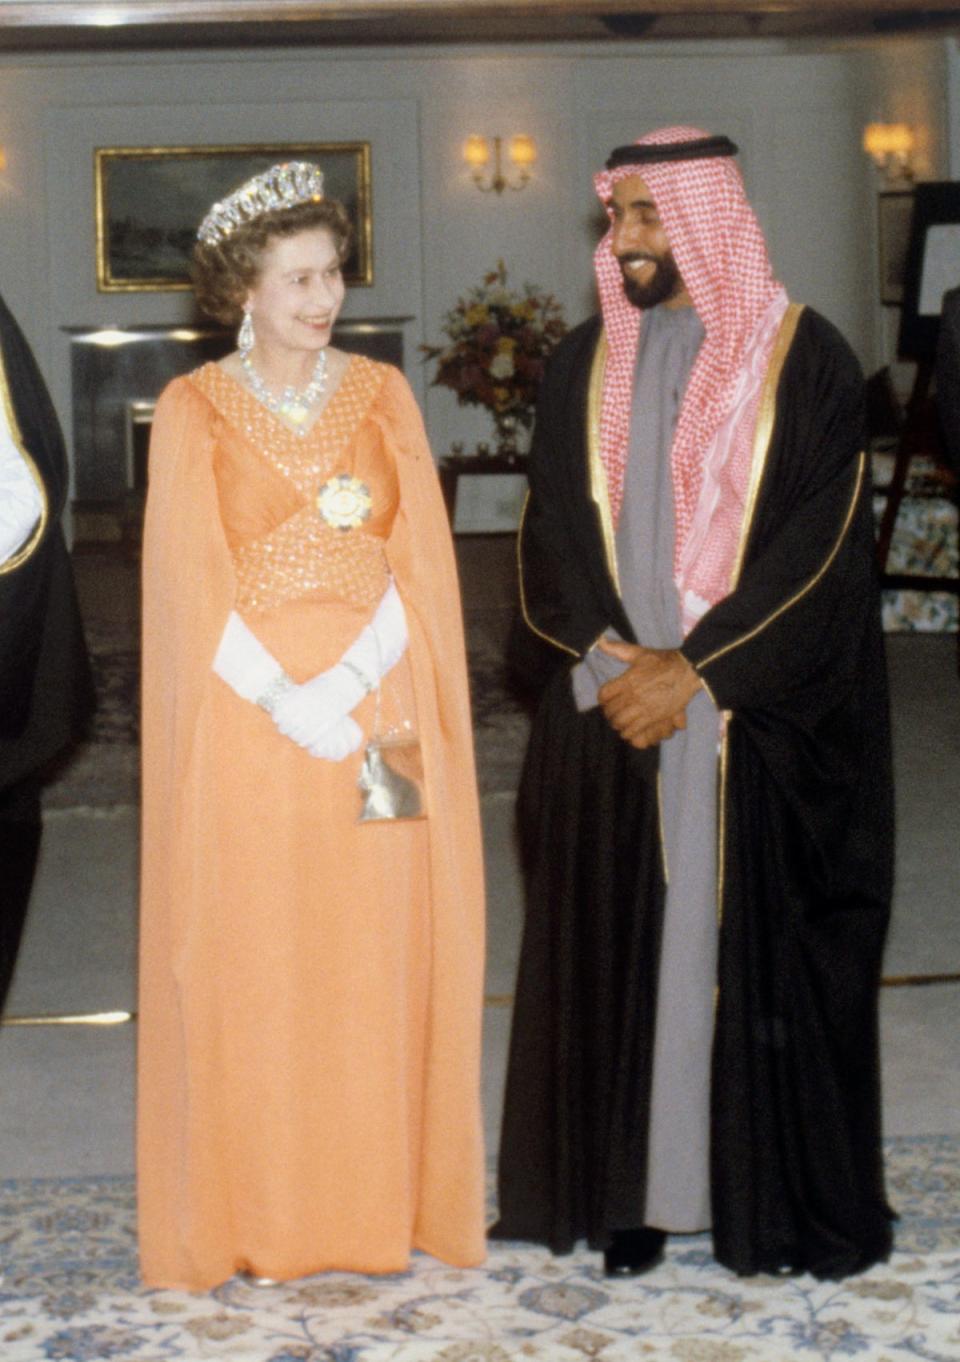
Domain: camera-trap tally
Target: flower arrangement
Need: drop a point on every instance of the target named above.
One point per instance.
(499, 343)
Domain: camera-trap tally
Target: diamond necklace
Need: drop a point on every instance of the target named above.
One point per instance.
(293, 406)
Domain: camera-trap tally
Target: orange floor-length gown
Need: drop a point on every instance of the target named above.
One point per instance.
(311, 986)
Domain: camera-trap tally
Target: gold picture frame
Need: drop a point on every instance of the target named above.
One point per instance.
(150, 201)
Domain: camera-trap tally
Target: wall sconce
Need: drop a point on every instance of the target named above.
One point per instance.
(3, 158)
(522, 152)
(891, 146)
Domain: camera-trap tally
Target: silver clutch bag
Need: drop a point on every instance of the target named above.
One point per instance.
(391, 776)
(391, 780)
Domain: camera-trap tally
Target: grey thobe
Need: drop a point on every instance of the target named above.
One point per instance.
(678, 1178)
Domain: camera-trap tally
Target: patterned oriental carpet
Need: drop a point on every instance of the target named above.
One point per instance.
(925, 542)
(69, 1291)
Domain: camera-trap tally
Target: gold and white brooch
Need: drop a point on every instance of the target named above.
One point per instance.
(344, 502)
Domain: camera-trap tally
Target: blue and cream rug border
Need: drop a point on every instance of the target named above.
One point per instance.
(69, 1292)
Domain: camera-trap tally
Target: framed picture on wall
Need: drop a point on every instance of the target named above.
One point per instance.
(933, 266)
(150, 201)
(894, 211)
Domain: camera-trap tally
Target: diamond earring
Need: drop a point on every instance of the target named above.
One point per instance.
(245, 336)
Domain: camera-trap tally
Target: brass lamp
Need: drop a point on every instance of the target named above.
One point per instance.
(521, 153)
(891, 146)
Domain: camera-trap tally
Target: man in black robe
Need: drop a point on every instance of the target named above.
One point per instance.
(699, 563)
(46, 693)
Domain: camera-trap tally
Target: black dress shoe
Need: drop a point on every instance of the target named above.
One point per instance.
(633, 1252)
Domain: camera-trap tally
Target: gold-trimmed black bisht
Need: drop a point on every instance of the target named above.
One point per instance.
(794, 654)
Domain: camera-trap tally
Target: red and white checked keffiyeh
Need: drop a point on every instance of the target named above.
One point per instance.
(722, 257)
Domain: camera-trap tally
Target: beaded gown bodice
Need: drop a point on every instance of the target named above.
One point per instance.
(270, 481)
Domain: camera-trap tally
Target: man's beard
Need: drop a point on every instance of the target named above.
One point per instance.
(662, 284)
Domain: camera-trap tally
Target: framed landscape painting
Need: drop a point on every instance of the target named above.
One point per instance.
(150, 201)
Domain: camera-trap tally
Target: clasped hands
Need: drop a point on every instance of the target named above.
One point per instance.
(647, 704)
(317, 714)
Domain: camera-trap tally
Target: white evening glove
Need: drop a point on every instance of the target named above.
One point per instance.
(383, 642)
(256, 675)
(246, 665)
(307, 713)
(339, 741)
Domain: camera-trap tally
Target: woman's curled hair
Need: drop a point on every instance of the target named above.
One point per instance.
(225, 271)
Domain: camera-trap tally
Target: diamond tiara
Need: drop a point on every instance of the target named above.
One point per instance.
(281, 186)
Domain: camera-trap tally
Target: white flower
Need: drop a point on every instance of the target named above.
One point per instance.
(501, 366)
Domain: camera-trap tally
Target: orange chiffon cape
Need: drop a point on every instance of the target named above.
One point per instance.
(310, 987)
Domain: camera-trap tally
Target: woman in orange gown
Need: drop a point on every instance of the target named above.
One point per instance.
(311, 984)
